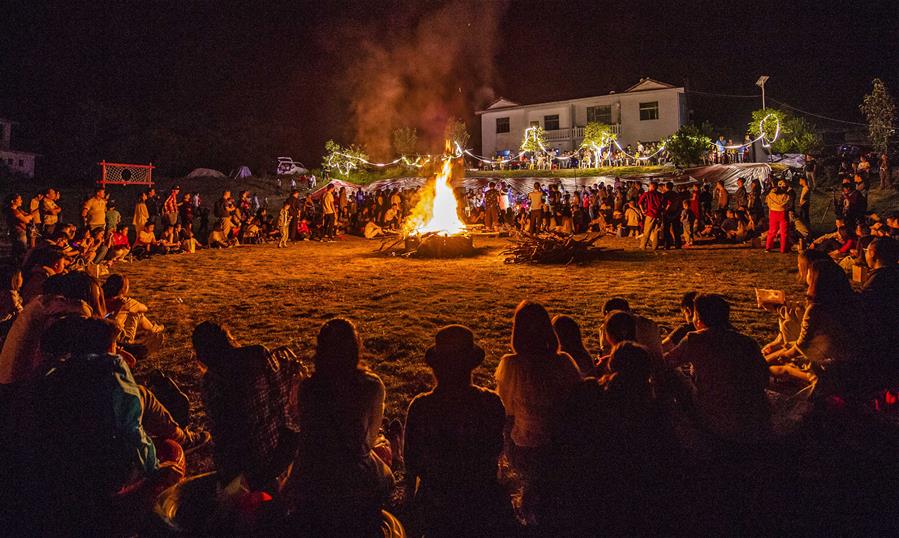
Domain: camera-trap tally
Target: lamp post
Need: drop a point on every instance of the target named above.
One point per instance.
(761, 84)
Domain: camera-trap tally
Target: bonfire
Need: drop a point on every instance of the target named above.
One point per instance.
(433, 228)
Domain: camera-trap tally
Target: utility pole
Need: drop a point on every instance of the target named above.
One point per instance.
(761, 84)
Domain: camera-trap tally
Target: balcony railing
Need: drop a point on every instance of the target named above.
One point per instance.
(557, 135)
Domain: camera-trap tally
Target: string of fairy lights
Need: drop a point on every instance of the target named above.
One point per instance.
(531, 135)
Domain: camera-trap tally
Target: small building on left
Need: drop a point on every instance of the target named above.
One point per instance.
(20, 163)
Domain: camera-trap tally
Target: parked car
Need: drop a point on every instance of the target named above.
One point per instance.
(287, 166)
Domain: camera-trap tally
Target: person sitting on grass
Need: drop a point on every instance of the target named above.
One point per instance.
(453, 440)
(880, 296)
(730, 374)
(218, 239)
(340, 479)
(129, 314)
(533, 382)
(21, 359)
(120, 246)
(245, 392)
(647, 331)
(615, 448)
(570, 340)
(94, 465)
(837, 344)
(169, 241)
(677, 335)
(45, 264)
(146, 244)
(189, 243)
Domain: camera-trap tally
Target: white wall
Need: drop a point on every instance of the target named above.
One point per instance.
(625, 109)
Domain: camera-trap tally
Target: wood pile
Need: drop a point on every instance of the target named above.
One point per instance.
(430, 245)
(552, 248)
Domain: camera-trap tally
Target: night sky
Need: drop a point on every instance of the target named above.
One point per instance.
(231, 82)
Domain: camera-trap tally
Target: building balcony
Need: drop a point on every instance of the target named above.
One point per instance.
(559, 135)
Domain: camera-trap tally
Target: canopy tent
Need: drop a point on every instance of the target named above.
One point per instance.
(206, 172)
(242, 173)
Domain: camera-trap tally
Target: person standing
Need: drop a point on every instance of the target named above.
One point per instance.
(740, 198)
(284, 224)
(34, 209)
(805, 202)
(329, 213)
(171, 206)
(811, 166)
(186, 212)
(93, 212)
(141, 214)
(778, 201)
(491, 207)
(153, 205)
(650, 204)
(222, 210)
(671, 206)
(721, 197)
(50, 211)
(884, 171)
(535, 197)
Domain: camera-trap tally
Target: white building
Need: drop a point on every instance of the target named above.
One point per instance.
(645, 112)
(18, 162)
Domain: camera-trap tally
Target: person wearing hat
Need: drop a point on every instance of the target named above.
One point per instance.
(454, 436)
(778, 201)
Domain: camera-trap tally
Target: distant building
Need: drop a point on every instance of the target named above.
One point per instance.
(18, 162)
(645, 112)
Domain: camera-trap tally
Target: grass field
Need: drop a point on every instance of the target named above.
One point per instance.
(278, 296)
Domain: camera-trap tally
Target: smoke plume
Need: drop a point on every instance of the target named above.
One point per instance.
(440, 65)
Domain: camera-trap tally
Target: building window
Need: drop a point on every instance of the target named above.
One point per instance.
(551, 123)
(502, 125)
(649, 111)
(599, 114)
(535, 123)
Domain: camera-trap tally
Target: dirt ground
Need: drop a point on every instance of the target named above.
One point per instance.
(281, 296)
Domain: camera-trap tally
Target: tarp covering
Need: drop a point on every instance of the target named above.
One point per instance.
(242, 173)
(318, 193)
(206, 172)
(729, 173)
(523, 185)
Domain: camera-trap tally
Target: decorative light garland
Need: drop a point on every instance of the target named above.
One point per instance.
(531, 132)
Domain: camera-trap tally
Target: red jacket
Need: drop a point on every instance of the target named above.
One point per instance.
(651, 204)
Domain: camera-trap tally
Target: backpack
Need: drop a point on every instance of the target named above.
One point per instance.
(170, 394)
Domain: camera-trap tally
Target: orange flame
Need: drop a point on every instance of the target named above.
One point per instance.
(437, 208)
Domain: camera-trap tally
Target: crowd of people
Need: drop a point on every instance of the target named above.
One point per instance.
(572, 442)
(594, 442)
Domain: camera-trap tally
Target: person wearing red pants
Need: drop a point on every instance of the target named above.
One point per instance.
(778, 201)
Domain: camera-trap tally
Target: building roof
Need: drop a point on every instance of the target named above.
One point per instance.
(645, 84)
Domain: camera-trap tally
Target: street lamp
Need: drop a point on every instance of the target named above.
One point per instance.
(761, 84)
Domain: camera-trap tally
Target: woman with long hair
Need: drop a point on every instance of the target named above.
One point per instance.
(836, 340)
(533, 381)
(339, 482)
(571, 342)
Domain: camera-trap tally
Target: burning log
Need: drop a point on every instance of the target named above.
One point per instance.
(551, 248)
(431, 245)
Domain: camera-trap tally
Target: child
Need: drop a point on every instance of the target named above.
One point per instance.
(632, 219)
(284, 224)
(303, 231)
(188, 242)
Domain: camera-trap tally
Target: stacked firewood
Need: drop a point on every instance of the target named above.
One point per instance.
(552, 248)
